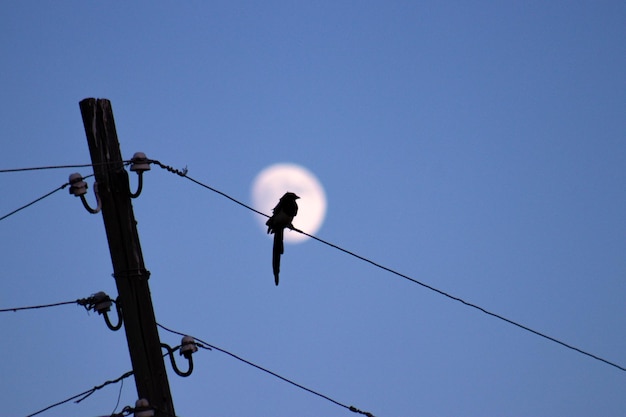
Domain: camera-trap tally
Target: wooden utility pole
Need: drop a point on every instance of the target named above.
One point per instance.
(129, 270)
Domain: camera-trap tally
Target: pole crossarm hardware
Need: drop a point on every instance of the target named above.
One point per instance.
(119, 221)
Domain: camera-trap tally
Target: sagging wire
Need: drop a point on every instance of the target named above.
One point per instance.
(206, 345)
(401, 275)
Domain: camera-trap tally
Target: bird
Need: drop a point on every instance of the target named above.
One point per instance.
(284, 212)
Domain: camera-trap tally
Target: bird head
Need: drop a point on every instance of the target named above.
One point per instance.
(289, 196)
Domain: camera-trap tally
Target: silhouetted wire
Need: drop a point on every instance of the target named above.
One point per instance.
(34, 201)
(2, 171)
(55, 190)
(247, 362)
(438, 291)
(83, 395)
(119, 396)
(183, 174)
(521, 326)
(4, 310)
(39, 199)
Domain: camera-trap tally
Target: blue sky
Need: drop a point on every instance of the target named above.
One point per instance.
(475, 146)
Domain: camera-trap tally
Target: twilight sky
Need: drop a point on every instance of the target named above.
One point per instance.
(477, 147)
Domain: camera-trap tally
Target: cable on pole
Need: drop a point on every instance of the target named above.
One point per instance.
(206, 345)
(83, 395)
(406, 277)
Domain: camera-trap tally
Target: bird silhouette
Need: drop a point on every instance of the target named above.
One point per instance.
(284, 212)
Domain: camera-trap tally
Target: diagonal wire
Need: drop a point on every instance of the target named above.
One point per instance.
(40, 198)
(477, 307)
(247, 362)
(413, 280)
(34, 201)
(183, 174)
(55, 190)
(83, 395)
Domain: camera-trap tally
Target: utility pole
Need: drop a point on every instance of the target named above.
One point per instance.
(131, 276)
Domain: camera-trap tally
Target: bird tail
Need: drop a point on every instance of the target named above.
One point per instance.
(277, 251)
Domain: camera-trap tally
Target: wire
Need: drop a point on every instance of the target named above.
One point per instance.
(34, 201)
(57, 189)
(4, 310)
(83, 395)
(119, 396)
(40, 198)
(89, 303)
(477, 307)
(2, 171)
(247, 362)
(183, 174)
(408, 278)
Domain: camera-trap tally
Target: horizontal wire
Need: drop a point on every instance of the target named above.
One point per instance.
(89, 303)
(4, 310)
(2, 171)
(247, 362)
(413, 280)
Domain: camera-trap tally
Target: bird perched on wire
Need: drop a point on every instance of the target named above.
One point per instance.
(284, 212)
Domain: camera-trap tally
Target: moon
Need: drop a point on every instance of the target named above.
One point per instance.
(274, 181)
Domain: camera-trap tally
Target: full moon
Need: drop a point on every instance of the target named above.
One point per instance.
(274, 181)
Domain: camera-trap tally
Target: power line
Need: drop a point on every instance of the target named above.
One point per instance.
(56, 189)
(89, 303)
(40, 198)
(83, 395)
(247, 362)
(408, 278)
(119, 396)
(477, 307)
(41, 168)
(183, 174)
(34, 201)
(86, 394)
(4, 310)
